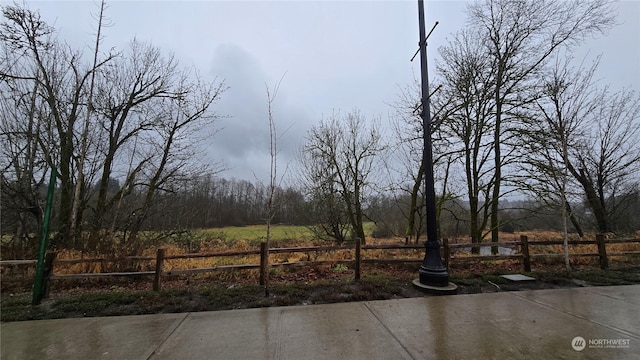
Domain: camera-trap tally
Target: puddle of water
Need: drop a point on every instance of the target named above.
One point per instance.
(486, 250)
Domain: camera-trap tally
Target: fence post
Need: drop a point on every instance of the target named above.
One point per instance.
(602, 251)
(157, 280)
(358, 258)
(524, 248)
(48, 270)
(264, 256)
(447, 252)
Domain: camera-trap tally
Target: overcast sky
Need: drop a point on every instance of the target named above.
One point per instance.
(334, 56)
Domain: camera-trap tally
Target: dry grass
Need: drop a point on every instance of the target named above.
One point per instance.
(219, 240)
(293, 275)
(579, 249)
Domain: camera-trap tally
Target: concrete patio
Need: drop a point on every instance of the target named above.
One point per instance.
(601, 322)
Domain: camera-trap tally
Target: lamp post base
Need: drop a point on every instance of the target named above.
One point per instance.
(434, 275)
(449, 289)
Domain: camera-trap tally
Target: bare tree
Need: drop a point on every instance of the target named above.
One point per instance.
(271, 207)
(406, 161)
(170, 148)
(606, 162)
(61, 81)
(559, 124)
(126, 85)
(590, 134)
(23, 173)
(345, 149)
(325, 210)
(143, 119)
(467, 89)
(521, 36)
(80, 186)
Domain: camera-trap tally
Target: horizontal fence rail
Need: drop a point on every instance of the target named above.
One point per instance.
(448, 253)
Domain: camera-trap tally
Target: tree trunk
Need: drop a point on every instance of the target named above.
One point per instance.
(414, 202)
(497, 181)
(573, 219)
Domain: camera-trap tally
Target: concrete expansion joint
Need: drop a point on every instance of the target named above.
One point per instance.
(388, 330)
(161, 344)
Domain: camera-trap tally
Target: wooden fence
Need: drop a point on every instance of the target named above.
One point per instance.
(447, 250)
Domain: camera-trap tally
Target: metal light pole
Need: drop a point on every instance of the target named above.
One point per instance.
(39, 284)
(433, 275)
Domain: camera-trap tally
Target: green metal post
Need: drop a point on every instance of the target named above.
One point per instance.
(38, 288)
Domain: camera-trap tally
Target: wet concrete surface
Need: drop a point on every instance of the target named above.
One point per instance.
(540, 324)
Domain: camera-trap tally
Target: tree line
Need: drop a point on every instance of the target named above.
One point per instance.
(514, 117)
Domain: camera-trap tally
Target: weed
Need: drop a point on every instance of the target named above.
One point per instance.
(494, 278)
(341, 267)
(607, 277)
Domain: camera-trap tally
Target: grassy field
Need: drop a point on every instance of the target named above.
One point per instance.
(257, 233)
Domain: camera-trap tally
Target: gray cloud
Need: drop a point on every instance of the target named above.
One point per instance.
(243, 141)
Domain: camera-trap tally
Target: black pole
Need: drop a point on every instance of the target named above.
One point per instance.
(432, 271)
